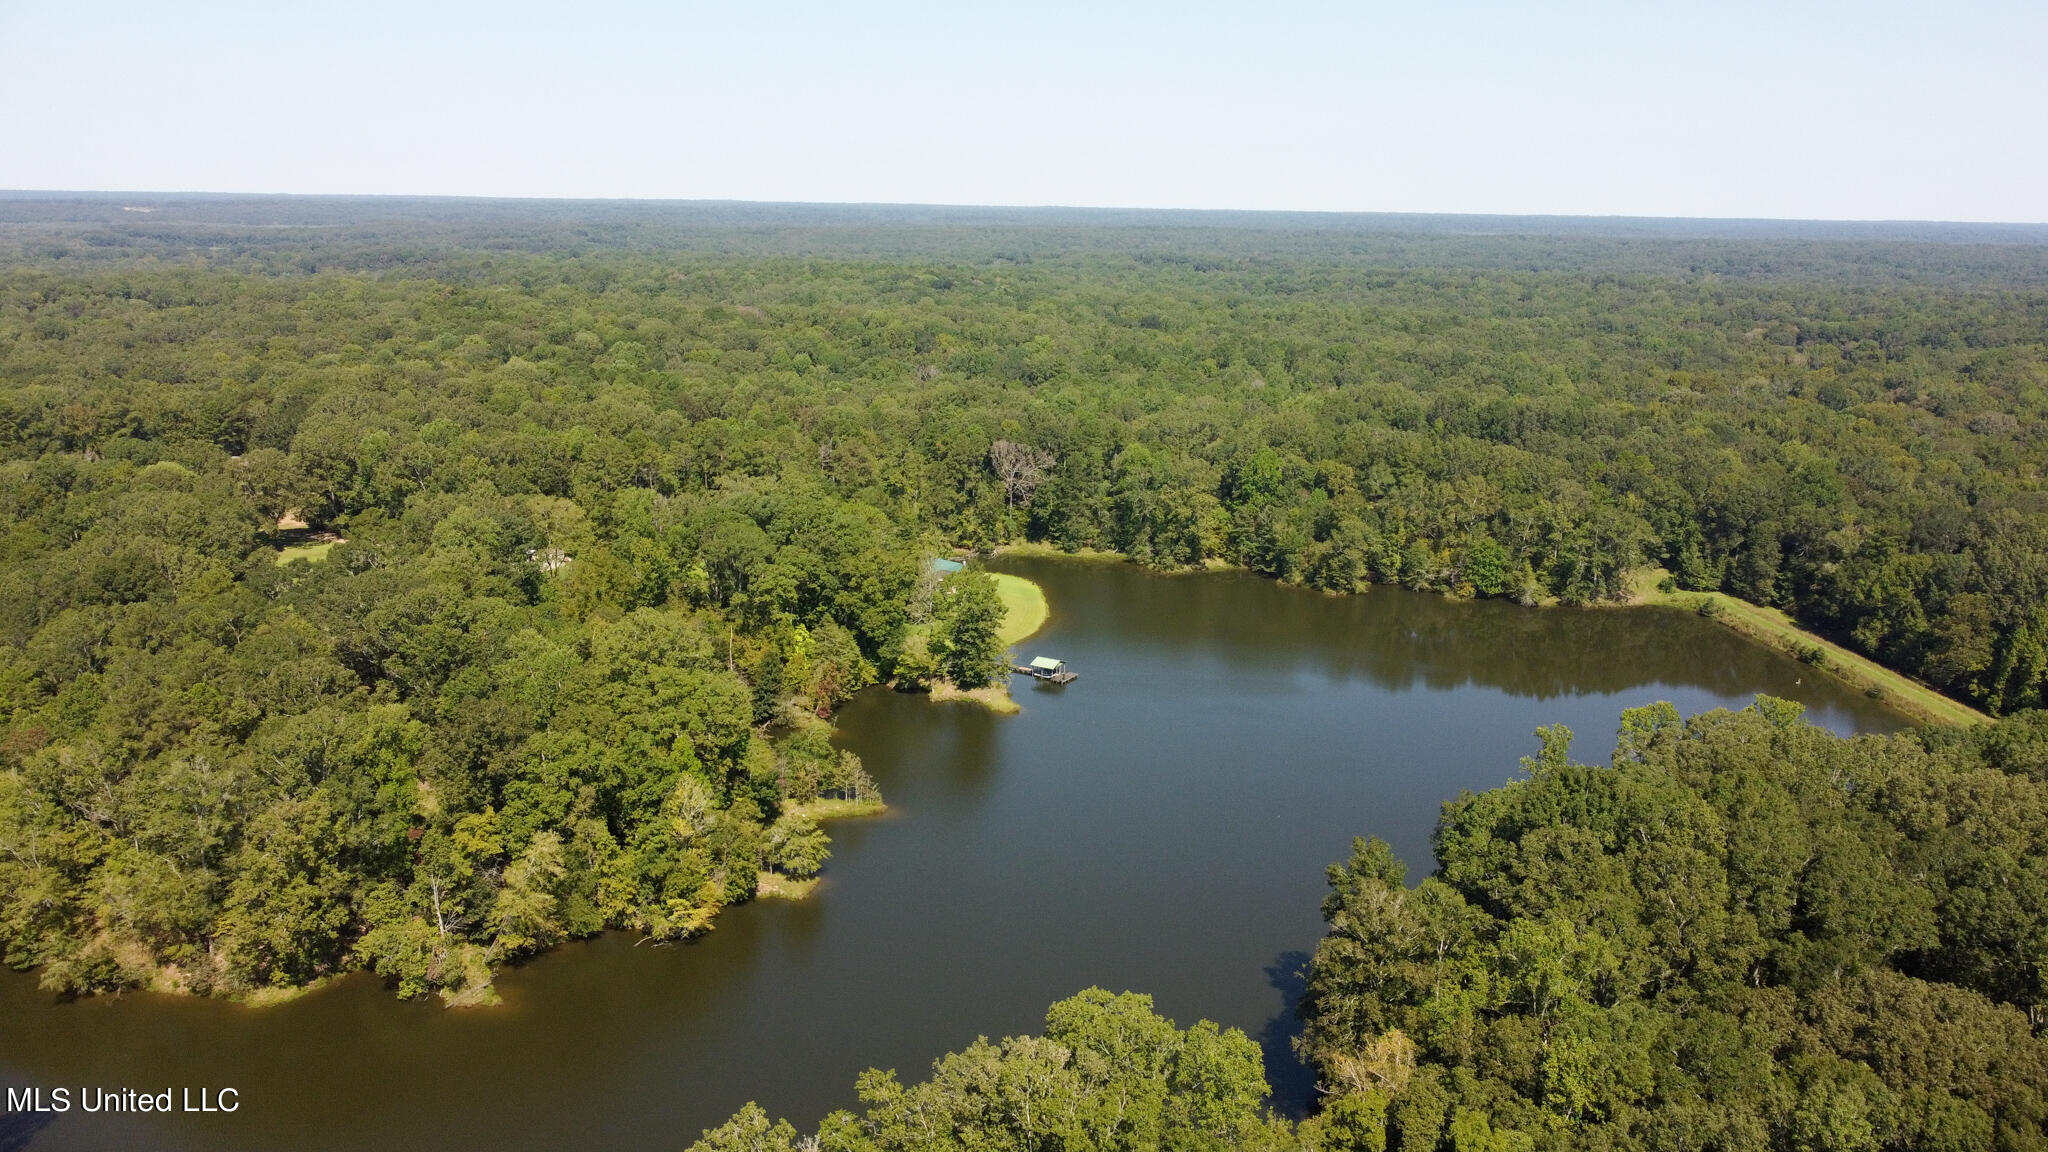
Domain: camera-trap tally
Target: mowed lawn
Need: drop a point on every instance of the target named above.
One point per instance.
(314, 552)
(1024, 607)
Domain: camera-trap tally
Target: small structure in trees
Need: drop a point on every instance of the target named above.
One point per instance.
(945, 566)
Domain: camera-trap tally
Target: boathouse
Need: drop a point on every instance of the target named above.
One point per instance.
(1048, 669)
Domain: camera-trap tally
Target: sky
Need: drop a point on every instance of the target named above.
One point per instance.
(1878, 110)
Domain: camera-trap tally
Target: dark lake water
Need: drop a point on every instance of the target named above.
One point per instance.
(1160, 825)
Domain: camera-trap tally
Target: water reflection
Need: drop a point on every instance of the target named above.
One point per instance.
(1293, 1083)
(1403, 641)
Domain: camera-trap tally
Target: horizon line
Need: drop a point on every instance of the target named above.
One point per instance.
(19, 194)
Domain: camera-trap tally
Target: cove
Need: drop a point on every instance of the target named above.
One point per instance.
(1161, 825)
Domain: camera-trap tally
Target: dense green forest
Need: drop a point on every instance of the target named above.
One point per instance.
(617, 503)
(1850, 429)
(1746, 933)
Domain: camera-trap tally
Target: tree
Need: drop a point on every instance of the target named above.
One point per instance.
(749, 1131)
(967, 622)
(1020, 467)
(288, 905)
(795, 846)
(1486, 565)
(528, 912)
(1109, 1074)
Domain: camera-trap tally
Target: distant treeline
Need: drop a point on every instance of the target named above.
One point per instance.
(620, 496)
(282, 232)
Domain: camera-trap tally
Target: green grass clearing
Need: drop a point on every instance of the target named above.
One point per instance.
(1773, 627)
(994, 697)
(1036, 548)
(834, 808)
(774, 886)
(1024, 608)
(312, 552)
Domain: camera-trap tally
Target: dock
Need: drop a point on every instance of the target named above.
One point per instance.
(1047, 669)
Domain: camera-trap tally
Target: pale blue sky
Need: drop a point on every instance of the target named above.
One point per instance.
(1833, 110)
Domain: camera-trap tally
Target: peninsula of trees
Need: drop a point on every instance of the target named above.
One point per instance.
(1746, 934)
(606, 507)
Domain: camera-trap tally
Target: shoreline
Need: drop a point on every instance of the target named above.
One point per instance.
(1026, 613)
(1760, 625)
(770, 886)
(1765, 626)
(994, 697)
(1774, 629)
(1025, 608)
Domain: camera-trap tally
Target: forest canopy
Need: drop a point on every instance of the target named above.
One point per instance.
(414, 585)
(1107, 1073)
(1744, 933)
(1844, 421)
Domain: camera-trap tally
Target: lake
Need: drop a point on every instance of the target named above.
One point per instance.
(1161, 825)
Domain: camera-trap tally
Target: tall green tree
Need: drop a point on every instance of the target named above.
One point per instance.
(967, 623)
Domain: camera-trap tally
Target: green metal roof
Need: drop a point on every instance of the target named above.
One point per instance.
(1046, 664)
(947, 566)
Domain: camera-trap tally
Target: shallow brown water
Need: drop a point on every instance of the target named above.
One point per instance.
(1162, 824)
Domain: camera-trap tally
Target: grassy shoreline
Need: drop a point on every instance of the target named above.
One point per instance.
(1025, 610)
(776, 886)
(830, 808)
(1771, 627)
(1039, 548)
(271, 996)
(995, 697)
